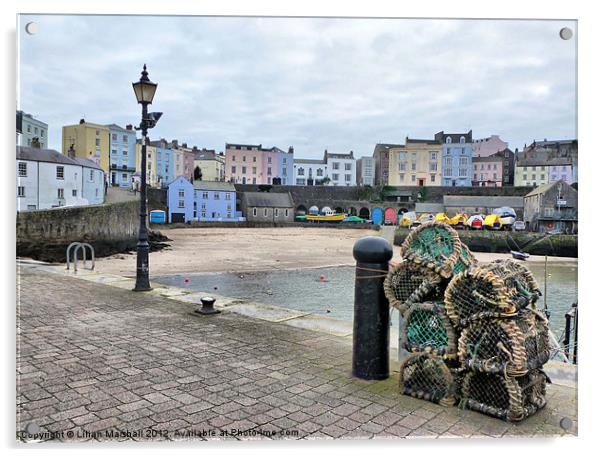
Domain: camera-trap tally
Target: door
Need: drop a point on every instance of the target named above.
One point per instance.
(421, 181)
(177, 217)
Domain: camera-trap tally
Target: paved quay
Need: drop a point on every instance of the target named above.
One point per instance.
(96, 362)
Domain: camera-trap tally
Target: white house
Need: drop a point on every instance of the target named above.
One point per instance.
(48, 179)
(341, 168)
(309, 172)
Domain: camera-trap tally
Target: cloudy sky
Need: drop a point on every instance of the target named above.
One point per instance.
(340, 84)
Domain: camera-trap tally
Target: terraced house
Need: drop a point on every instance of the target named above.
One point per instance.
(159, 162)
(544, 162)
(122, 160)
(456, 158)
(89, 141)
(417, 163)
(254, 164)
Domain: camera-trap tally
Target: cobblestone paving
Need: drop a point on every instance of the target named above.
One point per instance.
(96, 362)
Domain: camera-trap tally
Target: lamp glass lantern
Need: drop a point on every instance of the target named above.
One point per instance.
(144, 89)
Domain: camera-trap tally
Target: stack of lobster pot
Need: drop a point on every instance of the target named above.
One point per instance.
(431, 256)
(473, 332)
(503, 339)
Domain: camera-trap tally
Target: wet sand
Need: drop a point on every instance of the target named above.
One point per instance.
(203, 250)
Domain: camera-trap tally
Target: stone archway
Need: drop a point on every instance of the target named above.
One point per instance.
(301, 210)
(353, 211)
(364, 213)
(339, 210)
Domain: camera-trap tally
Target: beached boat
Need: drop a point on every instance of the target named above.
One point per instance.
(327, 216)
(518, 255)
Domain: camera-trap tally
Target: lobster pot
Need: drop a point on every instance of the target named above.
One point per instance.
(511, 346)
(437, 246)
(426, 328)
(485, 291)
(519, 280)
(508, 398)
(428, 377)
(408, 283)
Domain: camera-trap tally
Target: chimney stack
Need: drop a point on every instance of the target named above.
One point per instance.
(82, 121)
(129, 127)
(71, 151)
(35, 142)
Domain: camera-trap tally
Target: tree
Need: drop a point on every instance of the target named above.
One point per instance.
(198, 174)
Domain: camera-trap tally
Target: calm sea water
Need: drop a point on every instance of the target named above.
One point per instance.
(303, 290)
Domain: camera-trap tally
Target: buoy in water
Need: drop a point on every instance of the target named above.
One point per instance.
(322, 278)
(186, 280)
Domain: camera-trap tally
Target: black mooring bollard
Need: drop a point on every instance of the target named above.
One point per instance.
(371, 309)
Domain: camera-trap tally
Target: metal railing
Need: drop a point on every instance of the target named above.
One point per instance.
(76, 246)
(570, 328)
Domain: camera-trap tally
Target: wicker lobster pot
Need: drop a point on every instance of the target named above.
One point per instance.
(408, 283)
(437, 246)
(505, 397)
(512, 345)
(428, 377)
(426, 328)
(489, 289)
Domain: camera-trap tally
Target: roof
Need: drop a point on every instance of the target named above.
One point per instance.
(491, 158)
(455, 137)
(119, 128)
(545, 188)
(382, 147)
(52, 156)
(482, 201)
(268, 199)
(318, 161)
(542, 157)
(416, 140)
(88, 124)
(214, 185)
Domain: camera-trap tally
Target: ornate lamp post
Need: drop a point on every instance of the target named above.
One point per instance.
(145, 92)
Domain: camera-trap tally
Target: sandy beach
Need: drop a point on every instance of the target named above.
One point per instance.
(203, 250)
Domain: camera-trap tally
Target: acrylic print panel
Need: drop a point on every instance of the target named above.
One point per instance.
(295, 228)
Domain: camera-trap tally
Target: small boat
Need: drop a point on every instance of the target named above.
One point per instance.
(442, 217)
(518, 255)
(492, 222)
(326, 216)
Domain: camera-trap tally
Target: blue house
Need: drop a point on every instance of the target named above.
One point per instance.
(215, 201)
(456, 157)
(180, 200)
(122, 156)
(204, 201)
(164, 162)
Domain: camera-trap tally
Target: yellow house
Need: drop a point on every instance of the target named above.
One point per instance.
(90, 141)
(151, 163)
(417, 163)
(212, 169)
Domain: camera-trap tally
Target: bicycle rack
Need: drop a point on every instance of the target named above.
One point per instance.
(76, 247)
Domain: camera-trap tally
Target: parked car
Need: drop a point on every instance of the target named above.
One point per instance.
(519, 226)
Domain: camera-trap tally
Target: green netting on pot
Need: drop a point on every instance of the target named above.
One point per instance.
(512, 346)
(408, 283)
(509, 398)
(522, 278)
(427, 376)
(426, 328)
(437, 246)
(477, 290)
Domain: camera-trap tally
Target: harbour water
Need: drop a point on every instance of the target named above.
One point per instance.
(332, 296)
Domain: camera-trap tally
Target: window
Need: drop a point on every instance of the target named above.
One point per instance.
(286, 213)
(319, 172)
(254, 159)
(244, 158)
(463, 160)
(414, 166)
(180, 203)
(203, 206)
(269, 160)
(533, 169)
(97, 141)
(402, 167)
(233, 158)
(205, 195)
(463, 151)
(300, 181)
(125, 152)
(254, 170)
(60, 172)
(227, 196)
(448, 151)
(124, 176)
(432, 178)
(463, 172)
(447, 172)
(524, 177)
(413, 178)
(542, 168)
(475, 176)
(543, 176)
(489, 166)
(449, 161)
(29, 128)
(347, 166)
(269, 171)
(347, 178)
(181, 193)
(216, 195)
(125, 138)
(265, 212)
(402, 156)
(60, 193)
(402, 176)
(275, 212)
(448, 140)
(413, 156)
(433, 155)
(533, 177)
(114, 137)
(22, 168)
(335, 177)
(234, 169)
(35, 130)
(254, 211)
(203, 214)
(21, 191)
(433, 166)
(114, 151)
(74, 193)
(244, 170)
(301, 171)
(97, 132)
(335, 165)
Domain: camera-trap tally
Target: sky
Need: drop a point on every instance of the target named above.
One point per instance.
(315, 84)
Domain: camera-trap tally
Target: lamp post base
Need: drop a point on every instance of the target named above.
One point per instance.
(142, 288)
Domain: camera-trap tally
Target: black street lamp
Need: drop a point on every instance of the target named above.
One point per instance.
(145, 92)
